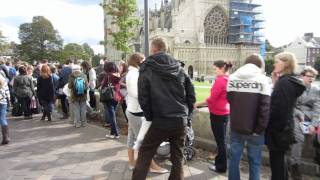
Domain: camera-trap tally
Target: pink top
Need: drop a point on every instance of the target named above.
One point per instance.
(217, 101)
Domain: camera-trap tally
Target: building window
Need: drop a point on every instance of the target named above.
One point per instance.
(215, 26)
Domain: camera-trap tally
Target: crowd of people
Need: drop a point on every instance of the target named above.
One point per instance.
(157, 97)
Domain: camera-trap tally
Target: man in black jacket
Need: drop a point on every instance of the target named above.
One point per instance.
(166, 96)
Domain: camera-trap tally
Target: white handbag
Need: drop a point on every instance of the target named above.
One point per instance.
(66, 90)
(142, 132)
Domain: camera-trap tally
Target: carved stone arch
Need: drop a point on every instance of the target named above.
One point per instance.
(216, 26)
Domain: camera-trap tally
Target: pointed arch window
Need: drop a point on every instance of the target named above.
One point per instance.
(216, 26)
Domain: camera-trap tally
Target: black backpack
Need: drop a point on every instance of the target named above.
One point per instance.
(107, 93)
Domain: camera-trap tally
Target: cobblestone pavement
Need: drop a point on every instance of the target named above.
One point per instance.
(56, 150)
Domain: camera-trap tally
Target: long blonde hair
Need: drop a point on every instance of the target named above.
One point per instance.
(290, 61)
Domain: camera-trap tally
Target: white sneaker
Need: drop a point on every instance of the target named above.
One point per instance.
(131, 167)
(116, 137)
(162, 171)
(109, 136)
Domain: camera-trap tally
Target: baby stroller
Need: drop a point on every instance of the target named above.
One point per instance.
(188, 150)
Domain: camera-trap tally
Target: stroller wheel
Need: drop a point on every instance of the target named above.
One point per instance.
(188, 153)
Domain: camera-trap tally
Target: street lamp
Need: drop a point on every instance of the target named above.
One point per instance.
(146, 28)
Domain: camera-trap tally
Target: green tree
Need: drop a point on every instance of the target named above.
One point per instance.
(96, 60)
(269, 66)
(123, 12)
(39, 40)
(3, 43)
(269, 47)
(88, 49)
(317, 64)
(74, 51)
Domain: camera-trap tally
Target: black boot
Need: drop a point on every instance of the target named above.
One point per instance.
(49, 116)
(44, 116)
(5, 135)
(64, 116)
(296, 172)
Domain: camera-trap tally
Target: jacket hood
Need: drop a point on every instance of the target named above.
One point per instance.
(162, 64)
(300, 87)
(247, 71)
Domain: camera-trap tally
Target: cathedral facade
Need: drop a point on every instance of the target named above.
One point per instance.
(198, 32)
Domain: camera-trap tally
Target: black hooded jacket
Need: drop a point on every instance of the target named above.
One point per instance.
(283, 99)
(165, 92)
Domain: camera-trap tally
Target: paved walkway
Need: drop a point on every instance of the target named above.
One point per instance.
(56, 150)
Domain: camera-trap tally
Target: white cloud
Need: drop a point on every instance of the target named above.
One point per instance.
(287, 19)
(76, 23)
(10, 32)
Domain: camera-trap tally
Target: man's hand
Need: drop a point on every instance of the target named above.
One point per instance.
(199, 105)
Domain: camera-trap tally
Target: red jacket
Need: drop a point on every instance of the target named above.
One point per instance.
(217, 101)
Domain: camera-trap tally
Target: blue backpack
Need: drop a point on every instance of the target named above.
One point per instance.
(80, 88)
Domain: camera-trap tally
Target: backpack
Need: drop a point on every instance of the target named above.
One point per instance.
(80, 88)
(107, 93)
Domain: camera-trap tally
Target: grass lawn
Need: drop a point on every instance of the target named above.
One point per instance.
(202, 90)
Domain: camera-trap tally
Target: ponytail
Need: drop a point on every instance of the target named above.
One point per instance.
(223, 64)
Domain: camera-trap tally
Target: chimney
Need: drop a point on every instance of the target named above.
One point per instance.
(308, 36)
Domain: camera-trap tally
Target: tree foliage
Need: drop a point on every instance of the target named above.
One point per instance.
(96, 60)
(76, 51)
(122, 12)
(269, 66)
(3, 43)
(88, 49)
(269, 47)
(317, 64)
(39, 40)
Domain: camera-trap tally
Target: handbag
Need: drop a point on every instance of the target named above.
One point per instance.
(107, 93)
(35, 105)
(142, 132)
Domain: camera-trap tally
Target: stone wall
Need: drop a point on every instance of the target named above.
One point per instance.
(201, 57)
(204, 139)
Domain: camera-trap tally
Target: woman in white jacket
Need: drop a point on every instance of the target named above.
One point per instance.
(134, 112)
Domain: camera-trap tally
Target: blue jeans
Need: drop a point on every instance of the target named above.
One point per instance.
(47, 106)
(254, 149)
(110, 110)
(3, 115)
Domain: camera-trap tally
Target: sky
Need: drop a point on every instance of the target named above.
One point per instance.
(80, 21)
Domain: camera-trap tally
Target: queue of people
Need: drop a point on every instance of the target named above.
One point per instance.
(261, 113)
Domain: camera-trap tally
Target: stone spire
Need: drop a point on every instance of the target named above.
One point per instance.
(162, 7)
